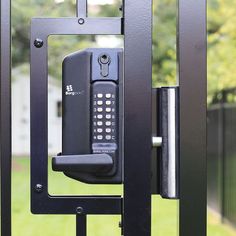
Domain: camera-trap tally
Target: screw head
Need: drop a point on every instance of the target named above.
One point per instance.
(38, 43)
(81, 21)
(79, 210)
(38, 188)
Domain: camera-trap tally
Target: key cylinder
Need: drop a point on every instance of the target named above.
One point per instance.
(104, 61)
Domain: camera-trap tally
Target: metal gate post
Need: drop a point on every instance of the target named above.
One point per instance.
(81, 225)
(5, 119)
(222, 147)
(137, 117)
(192, 80)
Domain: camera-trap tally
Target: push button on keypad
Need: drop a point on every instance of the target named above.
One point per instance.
(108, 130)
(108, 123)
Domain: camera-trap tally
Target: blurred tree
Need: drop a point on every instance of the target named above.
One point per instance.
(221, 46)
(24, 10)
(221, 37)
(164, 68)
(164, 43)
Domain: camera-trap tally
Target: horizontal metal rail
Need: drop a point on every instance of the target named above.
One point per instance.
(73, 25)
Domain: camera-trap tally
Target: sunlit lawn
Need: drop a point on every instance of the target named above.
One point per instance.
(164, 220)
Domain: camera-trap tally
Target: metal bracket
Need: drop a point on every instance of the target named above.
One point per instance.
(41, 201)
(166, 107)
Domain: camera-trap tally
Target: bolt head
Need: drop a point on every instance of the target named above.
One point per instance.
(38, 43)
(81, 21)
(38, 188)
(79, 210)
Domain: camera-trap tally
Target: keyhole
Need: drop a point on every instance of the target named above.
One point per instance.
(104, 61)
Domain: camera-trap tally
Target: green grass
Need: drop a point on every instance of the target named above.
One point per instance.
(164, 212)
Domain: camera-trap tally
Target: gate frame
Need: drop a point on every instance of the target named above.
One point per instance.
(5, 117)
(192, 74)
(192, 42)
(136, 203)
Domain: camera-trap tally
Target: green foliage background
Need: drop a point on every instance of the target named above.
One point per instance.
(221, 45)
(221, 38)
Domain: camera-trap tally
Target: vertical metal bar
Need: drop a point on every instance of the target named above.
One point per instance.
(5, 118)
(137, 117)
(222, 154)
(192, 76)
(81, 225)
(82, 8)
(155, 165)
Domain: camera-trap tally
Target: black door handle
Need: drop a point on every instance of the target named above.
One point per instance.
(91, 163)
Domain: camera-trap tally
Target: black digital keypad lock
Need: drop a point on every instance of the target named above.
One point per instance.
(92, 122)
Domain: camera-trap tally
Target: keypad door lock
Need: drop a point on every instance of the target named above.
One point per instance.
(92, 116)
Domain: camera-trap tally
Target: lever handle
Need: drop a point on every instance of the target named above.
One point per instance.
(91, 163)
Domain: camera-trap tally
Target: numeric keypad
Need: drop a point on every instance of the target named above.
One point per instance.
(105, 114)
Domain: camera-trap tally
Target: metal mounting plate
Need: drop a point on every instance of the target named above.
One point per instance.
(41, 201)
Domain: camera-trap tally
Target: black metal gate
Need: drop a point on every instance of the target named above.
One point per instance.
(222, 155)
(135, 206)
